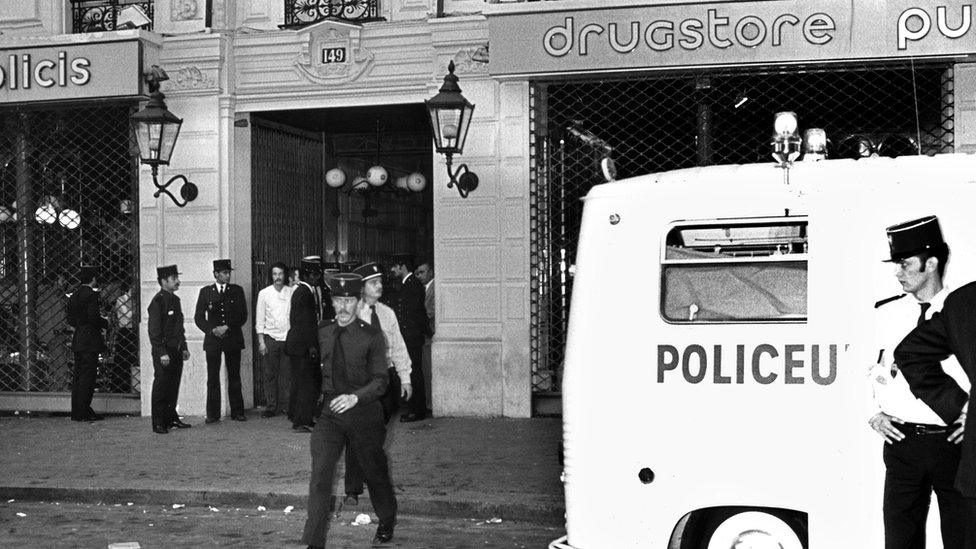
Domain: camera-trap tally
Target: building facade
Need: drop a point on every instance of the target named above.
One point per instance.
(276, 93)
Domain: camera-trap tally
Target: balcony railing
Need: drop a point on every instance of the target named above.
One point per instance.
(102, 15)
(299, 13)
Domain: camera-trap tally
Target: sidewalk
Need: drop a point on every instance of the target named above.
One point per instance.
(506, 468)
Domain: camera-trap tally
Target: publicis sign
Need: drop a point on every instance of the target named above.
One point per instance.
(681, 34)
(70, 72)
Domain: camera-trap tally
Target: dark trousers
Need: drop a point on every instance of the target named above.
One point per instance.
(915, 466)
(277, 375)
(360, 430)
(83, 384)
(418, 401)
(233, 359)
(390, 401)
(306, 382)
(166, 389)
(970, 522)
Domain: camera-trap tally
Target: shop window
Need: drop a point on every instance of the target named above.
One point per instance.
(735, 271)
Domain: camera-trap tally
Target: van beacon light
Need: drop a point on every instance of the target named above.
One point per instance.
(786, 143)
(814, 144)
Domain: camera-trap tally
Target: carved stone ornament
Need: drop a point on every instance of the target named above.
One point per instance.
(465, 61)
(183, 10)
(339, 43)
(191, 78)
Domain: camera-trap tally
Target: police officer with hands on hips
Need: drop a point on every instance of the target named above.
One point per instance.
(221, 311)
(354, 378)
(921, 453)
(84, 315)
(169, 351)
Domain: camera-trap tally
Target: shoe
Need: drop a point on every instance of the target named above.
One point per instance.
(268, 413)
(351, 499)
(210, 420)
(301, 429)
(410, 416)
(239, 417)
(160, 429)
(178, 424)
(93, 417)
(384, 532)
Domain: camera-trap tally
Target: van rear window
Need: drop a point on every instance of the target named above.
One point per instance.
(742, 270)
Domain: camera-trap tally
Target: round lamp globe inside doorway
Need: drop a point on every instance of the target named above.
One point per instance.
(335, 178)
(416, 182)
(377, 176)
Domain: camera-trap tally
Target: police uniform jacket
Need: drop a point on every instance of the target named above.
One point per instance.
(83, 315)
(410, 309)
(364, 351)
(166, 334)
(302, 336)
(227, 309)
(918, 357)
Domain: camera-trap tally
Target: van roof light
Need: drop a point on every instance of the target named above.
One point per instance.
(785, 123)
(814, 144)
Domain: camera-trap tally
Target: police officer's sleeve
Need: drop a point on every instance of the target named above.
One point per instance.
(239, 317)
(200, 316)
(92, 311)
(919, 357)
(157, 321)
(379, 380)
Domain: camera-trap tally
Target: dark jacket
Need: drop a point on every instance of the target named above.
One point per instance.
(166, 333)
(919, 357)
(411, 311)
(215, 310)
(83, 315)
(302, 338)
(364, 351)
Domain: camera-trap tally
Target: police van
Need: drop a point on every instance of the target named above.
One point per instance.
(715, 391)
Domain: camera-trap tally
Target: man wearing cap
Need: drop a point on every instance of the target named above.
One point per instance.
(84, 316)
(921, 453)
(301, 343)
(169, 351)
(378, 315)
(221, 311)
(412, 316)
(354, 377)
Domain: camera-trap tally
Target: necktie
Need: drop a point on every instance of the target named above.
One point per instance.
(220, 290)
(374, 319)
(921, 315)
(339, 381)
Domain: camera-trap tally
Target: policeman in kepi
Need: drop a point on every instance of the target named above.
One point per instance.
(921, 453)
(84, 316)
(354, 377)
(169, 351)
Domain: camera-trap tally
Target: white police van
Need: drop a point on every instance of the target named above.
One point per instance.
(715, 390)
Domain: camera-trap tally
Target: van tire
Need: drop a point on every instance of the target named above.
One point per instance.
(703, 525)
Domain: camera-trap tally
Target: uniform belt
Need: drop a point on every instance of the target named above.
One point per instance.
(922, 429)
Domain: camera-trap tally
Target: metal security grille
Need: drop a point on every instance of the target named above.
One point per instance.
(680, 121)
(68, 196)
(299, 13)
(103, 15)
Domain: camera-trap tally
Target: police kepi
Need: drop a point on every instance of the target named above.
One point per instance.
(915, 237)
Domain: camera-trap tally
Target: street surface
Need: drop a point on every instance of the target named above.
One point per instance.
(43, 524)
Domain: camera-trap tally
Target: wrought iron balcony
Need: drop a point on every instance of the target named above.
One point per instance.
(102, 15)
(299, 13)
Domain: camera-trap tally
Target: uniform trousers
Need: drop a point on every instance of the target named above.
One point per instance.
(418, 401)
(277, 375)
(232, 357)
(390, 401)
(166, 389)
(306, 383)
(83, 384)
(915, 466)
(360, 430)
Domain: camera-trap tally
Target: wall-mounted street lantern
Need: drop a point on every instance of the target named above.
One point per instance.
(156, 130)
(450, 117)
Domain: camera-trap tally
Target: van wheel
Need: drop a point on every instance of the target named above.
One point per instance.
(734, 529)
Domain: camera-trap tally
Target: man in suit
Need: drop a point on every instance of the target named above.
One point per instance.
(354, 377)
(425, 274)
(921, 453)
(301, 343)
(414, 327)
(220, 313)
(169, 351)
(85, 317)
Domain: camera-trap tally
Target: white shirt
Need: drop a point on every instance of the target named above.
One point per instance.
(272, 313)
(890, 392)
(221, 288)
(396, 350)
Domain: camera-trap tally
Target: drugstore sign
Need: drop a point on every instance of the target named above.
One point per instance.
(70, 72)
(549, 40)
